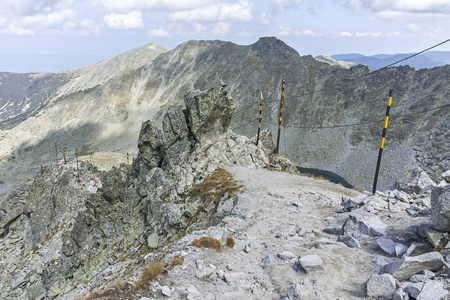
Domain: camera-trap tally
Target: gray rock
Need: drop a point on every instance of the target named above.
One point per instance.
(336, 226)
(446, 176)
(285, 255)
(311, 263)
(166, 291)
(414, 289)
(432, 290)
(152, 241)
(440, 208)
(247, 248)
(378, 286)
(407, 266)
(398, 294)
(379, 261)
(387, 245)
(415, 181)
(426, 274)
(400, 249)
(266, 261)
(349, 241)
(363, 222)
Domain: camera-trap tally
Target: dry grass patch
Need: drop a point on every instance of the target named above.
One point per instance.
(207, 242)
(154, 269)
(110, 290)
(216, 185)
(176, 261)
(230, 242)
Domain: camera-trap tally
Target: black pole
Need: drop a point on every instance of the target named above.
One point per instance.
(64, 155)
(260, 116)
(279, 119)
(383, 137)
(56, 152)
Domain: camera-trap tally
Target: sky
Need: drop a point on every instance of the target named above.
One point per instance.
(316, 27)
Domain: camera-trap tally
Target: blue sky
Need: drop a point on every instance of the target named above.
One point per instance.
(110, 27)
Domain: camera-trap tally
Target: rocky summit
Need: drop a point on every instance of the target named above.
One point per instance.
(205, 213)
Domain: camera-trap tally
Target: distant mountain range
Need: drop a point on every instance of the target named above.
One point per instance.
(423, 61)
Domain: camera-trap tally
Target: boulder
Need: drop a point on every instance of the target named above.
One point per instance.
(310, 263)
(363, 222)
(415, 181)
(336, 226)
(440, 208)
(432, 290)
(378, 286)
(407, 266)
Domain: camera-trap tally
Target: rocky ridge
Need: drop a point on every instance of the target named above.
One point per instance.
(101, 108)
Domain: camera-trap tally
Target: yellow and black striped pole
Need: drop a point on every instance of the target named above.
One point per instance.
(56, 152)
(260, 116)
(279, 119)
(128, 159)
(65, 155)
(383, 138)
(76, 157)
(90, 162)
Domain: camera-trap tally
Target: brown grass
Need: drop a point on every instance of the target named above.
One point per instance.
(230, 242)
(176, 261)
(207, 242)
(215, 186)
(110, 290)
(151, 271)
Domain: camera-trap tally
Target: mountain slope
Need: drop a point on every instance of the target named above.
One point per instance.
(101, 108)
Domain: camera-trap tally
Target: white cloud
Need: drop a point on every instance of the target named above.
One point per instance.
(15, 30)
(265, 19)
(221, 28)
(286, 4)
(132, 20)
(368, 34)
(89, 27)
(47, 20)
(241, 11)
(306, 32)
(389, 9)
(159, 32)
(143, 5)
(286, 31)
(412, 27)
(199, 28)
(345, 33)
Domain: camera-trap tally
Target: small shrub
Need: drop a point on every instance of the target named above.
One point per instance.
(207, 242)
(176, 261)
(230, 242)
(150, 272)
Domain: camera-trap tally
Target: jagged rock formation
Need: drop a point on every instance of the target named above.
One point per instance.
(66, 228)
(101, 108)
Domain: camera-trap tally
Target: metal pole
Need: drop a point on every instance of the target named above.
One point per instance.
(76, 157)
(383, 137)
(65, 155)
(56, 152)
(279, 119)
(260, 116)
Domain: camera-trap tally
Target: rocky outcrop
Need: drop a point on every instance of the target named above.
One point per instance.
(68, 228)
(440, 208)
